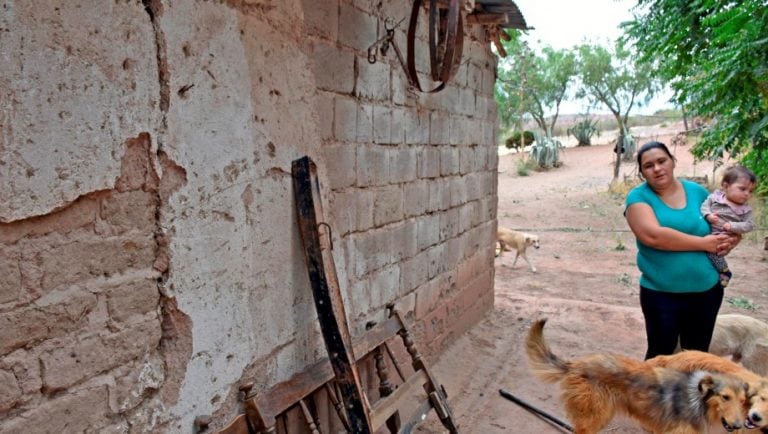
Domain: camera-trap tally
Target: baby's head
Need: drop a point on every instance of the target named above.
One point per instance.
(738, 184)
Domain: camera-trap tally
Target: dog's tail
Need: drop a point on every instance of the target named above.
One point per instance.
(543, 362)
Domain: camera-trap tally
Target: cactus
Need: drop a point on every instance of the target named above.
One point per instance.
(629, 146)
(584, 130)
(546, 151)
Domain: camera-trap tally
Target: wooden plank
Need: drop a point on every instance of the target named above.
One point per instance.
(485, 18)
(239, 425)
(327, 294)
(433, 388)
(416, 417)
(386, 407)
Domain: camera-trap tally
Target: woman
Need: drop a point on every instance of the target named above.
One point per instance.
(680, 292)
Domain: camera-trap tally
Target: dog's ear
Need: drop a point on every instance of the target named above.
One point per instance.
(707, 386)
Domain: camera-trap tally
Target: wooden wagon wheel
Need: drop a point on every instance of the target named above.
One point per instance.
(446, 42)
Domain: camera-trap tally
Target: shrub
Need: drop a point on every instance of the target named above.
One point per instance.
(584, 130)
(546, 152)
(524, 167)
(513, 141)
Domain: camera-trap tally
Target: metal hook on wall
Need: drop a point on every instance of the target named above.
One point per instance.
(330, 233)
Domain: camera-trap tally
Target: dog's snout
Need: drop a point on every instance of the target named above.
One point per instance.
(755, 417)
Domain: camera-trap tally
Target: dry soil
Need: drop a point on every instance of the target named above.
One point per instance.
(586, 285)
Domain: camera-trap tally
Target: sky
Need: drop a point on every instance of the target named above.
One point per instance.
(565, 23)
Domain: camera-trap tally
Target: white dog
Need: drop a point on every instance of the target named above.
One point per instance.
(509, 239)
(744, 339)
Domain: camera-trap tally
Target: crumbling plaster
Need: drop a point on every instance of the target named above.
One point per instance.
(73, 87)
(237, 268)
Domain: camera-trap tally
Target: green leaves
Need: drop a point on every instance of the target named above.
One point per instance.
(714, 53)
(532, 83)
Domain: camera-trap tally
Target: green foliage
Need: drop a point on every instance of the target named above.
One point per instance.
(714, 54)
(546, 152)
(513, 141)
(741, 302)
(613, 78)
(524, 167)
(532, 83)
(584, 130)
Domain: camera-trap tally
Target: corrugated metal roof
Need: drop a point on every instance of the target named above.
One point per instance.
(515, 19)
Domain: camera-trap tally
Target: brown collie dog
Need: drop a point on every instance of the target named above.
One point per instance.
(757, 393)
(662, 400)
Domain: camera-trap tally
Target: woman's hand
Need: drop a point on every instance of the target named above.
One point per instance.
(729, 241)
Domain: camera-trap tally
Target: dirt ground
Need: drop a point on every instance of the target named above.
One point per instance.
(586, 285)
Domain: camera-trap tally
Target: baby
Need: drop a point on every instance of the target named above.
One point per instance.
(727, 210)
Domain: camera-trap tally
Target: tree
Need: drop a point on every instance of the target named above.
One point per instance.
(714, 54)
(534, 83)
(617, 81)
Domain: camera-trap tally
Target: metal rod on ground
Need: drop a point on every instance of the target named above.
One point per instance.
(535, 410)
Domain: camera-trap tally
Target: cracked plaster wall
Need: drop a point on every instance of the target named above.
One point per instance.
(146, 209)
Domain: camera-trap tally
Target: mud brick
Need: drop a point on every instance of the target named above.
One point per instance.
(405, 240)
(449, 160)
(458, 189)
(473, 187)
(435, 323)
(334, 68)
(436, 263)
(339, 163)
(357, 29)
(429, 162)
(416, 198)
(414, 272)
(417, 127)
(466, 159)
(130, 210)
(387, 205)
(133, 299)
(345, 119)
(428, 231)
(323, 22)
(20, 327)
(439, 195)
(325, 115)
(449, 224)
(364, 123)
(467, 215)
(10, 392)
(457, 131)
(10, 283)
(385, 285)
(382, 125)
(466, 104)
(439, 129)
(427, 297)
(402, 165)
(67, 365)
(474, 78)
(353, 210)
(81, 259)
(452, 254)
(372, 166)
(398, 126)
(371, 251)
(78, 411)
(372, 81)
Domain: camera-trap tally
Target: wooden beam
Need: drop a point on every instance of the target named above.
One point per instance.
(485, 18)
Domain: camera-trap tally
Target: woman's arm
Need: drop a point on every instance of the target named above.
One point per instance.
(646, 228)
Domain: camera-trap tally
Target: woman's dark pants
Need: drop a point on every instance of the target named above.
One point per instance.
(687, 318)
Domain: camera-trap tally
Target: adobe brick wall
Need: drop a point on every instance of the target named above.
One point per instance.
(148, 244)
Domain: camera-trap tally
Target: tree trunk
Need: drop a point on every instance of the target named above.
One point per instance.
(618, 150)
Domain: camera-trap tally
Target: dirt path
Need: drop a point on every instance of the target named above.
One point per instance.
(587, 285)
